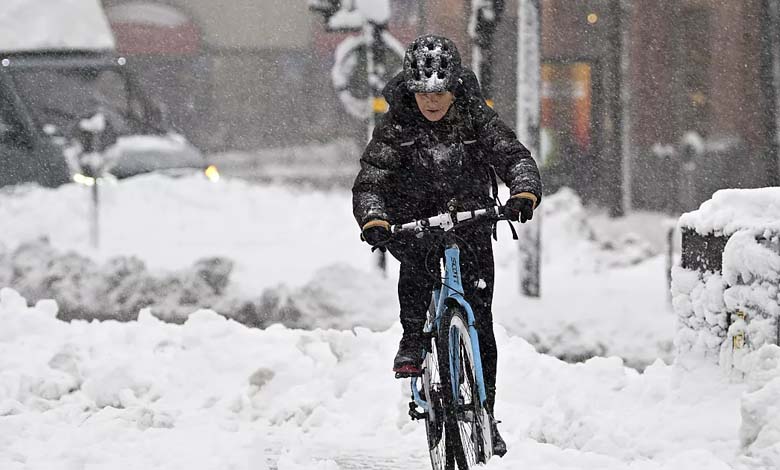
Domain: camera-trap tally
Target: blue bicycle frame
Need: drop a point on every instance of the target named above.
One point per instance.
(452, 290)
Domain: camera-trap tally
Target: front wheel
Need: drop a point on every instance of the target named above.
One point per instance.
(439, 425)
(457, 367)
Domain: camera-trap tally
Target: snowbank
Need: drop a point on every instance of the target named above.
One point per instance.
(760, 429)
(295, 258)
(211, 393)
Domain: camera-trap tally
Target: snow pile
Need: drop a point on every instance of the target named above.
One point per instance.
(34, 25)
(584, 246)
(724, 316)
(121, 287)
(211, 393)
(295, 258)
(760, 430)
(118, 289)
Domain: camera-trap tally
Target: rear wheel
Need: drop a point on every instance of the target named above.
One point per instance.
(470, 418)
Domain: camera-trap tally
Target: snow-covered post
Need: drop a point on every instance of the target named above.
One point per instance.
(376, 14)
(370, 18)
(528, 111)
(95, 136)
(692, 149)
(726, 293)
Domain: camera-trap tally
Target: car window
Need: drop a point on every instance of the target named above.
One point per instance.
(11, 130)
(62, 97)
(111, 90)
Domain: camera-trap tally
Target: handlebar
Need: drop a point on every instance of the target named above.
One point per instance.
(449, 220)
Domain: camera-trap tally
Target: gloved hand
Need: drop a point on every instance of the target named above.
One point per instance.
(376, 232)
(520, 207)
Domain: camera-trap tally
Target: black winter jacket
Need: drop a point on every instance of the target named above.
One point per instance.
(413, 167)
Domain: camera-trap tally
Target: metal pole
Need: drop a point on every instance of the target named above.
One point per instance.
(368, 33)
(614, 174)
(625, 9)
(772, 43)
(528, 116)
(669, 262)
(95, 232)
(422, 17)
(375, 68)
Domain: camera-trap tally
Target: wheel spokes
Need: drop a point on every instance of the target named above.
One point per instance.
(469, 408)
(434, 421)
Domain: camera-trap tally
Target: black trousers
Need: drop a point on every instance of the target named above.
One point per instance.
(419, 271)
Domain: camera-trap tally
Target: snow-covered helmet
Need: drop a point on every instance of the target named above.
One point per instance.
(431, 64)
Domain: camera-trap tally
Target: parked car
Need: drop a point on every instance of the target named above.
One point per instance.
(48, 86)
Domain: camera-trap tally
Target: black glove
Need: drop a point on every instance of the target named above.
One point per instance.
(376, 232)
(520, 207)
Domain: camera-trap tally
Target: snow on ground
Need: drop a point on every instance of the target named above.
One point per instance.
(212, 393)
(295, 257)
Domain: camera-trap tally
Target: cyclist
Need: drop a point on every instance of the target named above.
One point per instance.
(436, 145)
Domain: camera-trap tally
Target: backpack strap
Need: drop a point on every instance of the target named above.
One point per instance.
(494, 195)
(493, 184)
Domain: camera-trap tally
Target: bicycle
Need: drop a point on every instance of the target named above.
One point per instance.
(452, 397)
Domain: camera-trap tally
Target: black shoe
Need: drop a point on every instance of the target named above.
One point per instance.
(499, 446)
(408, 360)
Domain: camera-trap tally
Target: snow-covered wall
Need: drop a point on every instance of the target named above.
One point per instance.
(38, 25)
(724, 316)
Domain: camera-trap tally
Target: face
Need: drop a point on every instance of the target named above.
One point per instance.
(434, 105)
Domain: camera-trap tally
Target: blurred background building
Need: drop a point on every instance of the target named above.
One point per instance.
(684, 88)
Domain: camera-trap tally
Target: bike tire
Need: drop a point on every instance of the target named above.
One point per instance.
(437, 429)
(472, 442)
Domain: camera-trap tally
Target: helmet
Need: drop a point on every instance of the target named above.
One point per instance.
(431, 64)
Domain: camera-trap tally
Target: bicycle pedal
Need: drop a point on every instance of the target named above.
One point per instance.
(407, 375)
(414, 414)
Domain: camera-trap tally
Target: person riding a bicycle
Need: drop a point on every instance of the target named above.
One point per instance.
(440, 144)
